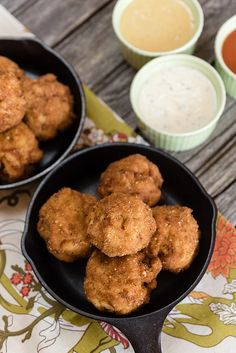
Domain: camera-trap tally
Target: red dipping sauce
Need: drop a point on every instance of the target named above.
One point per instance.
(229, 51)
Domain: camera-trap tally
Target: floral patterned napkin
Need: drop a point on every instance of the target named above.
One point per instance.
(32, 321)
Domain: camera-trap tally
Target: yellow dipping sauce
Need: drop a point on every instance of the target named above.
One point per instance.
(157, 25)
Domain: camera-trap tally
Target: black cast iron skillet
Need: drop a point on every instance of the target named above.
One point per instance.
(65, 281)
(38, 59)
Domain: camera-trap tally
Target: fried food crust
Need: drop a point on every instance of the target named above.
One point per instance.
(134, 175)
(49, 106)
(12, 102)
(120, 284)
(7, 65)
(63, 226)
(19, 151)
(176, 238)
(120, 225)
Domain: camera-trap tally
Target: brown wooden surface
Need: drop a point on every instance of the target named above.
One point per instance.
(81, 31)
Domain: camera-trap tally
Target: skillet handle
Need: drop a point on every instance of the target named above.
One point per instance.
(143, 333)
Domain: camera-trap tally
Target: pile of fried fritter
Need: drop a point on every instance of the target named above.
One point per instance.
(31, 110)
(127, 242)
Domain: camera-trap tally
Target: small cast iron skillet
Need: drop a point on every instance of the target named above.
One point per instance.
(65, 281)
(37, 59)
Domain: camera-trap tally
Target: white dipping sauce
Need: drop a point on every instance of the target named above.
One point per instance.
(177, 100)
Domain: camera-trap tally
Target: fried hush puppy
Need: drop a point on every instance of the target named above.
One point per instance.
(134, 175)
(49, 106)
(120, 284)
(120, 225)
(63, 226)
(12, 102)
(7, 65)
(176, 238)
(19, 151)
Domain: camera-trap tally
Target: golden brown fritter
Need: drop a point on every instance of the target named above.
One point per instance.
(12, 102)
(176, 238)
(120, 284)
(120, 225)
(19, 151)
(63, 226)
(49, 106)
(134, 175)
(7, 65)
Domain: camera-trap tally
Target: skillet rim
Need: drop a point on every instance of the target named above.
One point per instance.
(82, 115)
(127, 317)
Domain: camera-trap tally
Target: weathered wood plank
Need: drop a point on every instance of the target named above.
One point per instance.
(93, 49)
(219, 171)
(226, 203)
(114, 89)
(216, 12)
(14, 6)
(54, 20)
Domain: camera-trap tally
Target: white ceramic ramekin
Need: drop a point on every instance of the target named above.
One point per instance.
(137, 57)
(228, 76)
(177, 141)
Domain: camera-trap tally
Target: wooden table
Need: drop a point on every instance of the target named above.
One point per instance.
(81, 31)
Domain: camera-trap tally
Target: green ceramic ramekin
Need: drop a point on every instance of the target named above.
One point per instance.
(137, 57)
(228, 76)
(177, 141)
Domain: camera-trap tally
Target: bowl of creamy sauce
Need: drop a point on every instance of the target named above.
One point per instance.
(225, 55)
(150, 28)
(178, 100)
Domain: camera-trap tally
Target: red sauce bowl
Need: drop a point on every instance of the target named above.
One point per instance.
(225, 55)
